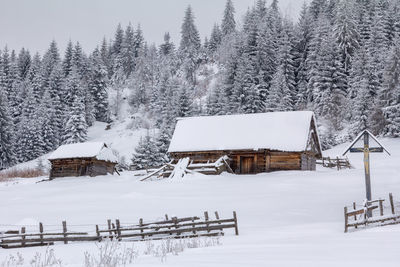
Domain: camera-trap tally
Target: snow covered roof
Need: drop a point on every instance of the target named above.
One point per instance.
(283, 131)
(98, 150)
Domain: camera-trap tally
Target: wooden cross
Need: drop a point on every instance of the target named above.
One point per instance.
(366, 150)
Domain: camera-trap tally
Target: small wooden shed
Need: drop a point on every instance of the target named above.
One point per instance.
(82, 159)
(254, 143)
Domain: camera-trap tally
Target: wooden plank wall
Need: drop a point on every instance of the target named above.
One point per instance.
(78, 167)
(308, 162)
(285, 161)
(264, 160)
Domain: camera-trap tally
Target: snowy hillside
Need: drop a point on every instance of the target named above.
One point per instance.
(285, 218)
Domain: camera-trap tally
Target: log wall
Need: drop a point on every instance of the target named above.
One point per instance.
(263, 160)
(80, 167)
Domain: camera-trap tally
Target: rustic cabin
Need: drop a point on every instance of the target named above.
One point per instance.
(254, 143)
(82, 159)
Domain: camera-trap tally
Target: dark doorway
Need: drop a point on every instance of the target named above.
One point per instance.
(246, 165)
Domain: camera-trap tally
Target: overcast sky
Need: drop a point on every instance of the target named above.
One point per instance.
(34, 23)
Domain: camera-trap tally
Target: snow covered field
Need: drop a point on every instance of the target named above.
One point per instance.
(285, 218)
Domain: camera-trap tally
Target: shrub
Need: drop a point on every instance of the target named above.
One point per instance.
(21, 173)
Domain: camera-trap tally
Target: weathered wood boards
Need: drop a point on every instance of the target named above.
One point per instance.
(250, 161)
(80, 167)
(339, 163)
(363, 216)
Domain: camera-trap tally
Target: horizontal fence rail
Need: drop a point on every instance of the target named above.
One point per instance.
(339, 163)
(174, 227)
(356, 217)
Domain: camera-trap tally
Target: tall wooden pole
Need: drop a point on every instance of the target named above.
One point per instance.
(367, 170)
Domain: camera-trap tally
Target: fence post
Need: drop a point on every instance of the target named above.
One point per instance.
(381, 206)
(175, 219)
(345, 220)
(23, 236)
(194, 226)
(206, 218)
(118, 228)
(141, 225)
(98, 233)
(41, 231)
(166, 219)
(217, 217)
(64, 224)
(355, 216)
(236, 223)
(109, 228)
(391, 202)
(115, 230)
(338, 163)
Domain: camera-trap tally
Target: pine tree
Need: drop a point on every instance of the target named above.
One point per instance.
(167, 48)
(24, 63)
(183, 103)
(389, 96)
(162, 143)
(7, 155)
(35, 78)
(48, 124)
(127, 53)
(303, 38)
(346, 32)
(190, 46)
(75, 130)
(50, 60)
(215, 39)
(29, 138)
(360, 108)
(145, 155)
(6, 79)
(98, 87)
(72, 88)
(228, 25)
(67, 62)
(280, 97)
(118, 40)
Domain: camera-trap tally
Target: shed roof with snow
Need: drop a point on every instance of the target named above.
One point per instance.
(280, 131)
(97, 150)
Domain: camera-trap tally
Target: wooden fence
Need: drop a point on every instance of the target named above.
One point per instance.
(355, 217)
(174, 227)
(339, 163)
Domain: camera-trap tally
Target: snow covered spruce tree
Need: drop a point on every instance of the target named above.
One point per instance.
(146, 154)
(98, 86)
(7, 155)
(228, 25)
(389, 96)
(190, 46)
(75, 130)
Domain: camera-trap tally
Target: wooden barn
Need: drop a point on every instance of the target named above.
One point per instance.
(254, 143)
(82, 159)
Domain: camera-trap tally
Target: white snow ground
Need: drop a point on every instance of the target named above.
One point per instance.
(285, 218)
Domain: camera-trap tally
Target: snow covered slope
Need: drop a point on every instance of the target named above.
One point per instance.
(285, 218)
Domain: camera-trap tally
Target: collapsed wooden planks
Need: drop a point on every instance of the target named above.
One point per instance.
(359, 217)
(209, 168)
(187, 227)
